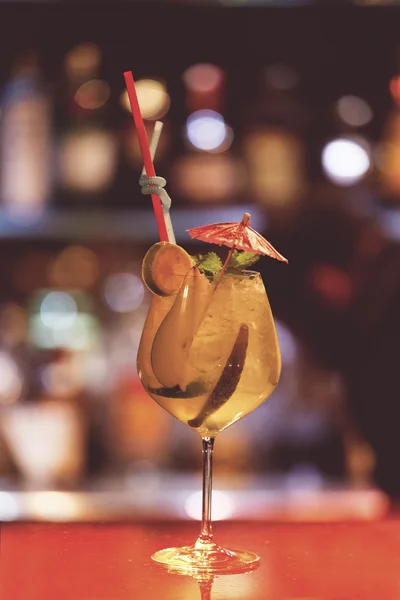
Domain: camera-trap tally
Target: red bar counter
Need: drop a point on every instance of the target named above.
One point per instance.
(300, 561)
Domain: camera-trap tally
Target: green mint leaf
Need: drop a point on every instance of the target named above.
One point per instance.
(209, 263)
(242, 260)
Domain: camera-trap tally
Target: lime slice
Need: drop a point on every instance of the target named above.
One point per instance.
(164, 268)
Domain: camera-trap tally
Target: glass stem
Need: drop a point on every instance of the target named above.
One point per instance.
(205, 589)
(206, 526)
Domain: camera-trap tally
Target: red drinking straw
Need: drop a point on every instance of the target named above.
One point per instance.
(145, 150)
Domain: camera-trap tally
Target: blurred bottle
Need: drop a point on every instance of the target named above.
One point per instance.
(360, 459)
(207, 171)
(274, 151)
(43, 428)
(388, 152)
(87, 146)
(26, 140)
(140, 434)
(46, 442)
(205, 86)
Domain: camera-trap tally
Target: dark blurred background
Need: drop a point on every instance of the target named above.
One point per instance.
(287, 110)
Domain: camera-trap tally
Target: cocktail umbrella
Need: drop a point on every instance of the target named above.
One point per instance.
(236, 236)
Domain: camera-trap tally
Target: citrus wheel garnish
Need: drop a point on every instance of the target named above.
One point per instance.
(164, 268)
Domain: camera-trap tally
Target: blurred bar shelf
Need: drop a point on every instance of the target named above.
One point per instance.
(176, 498)
(137, 226)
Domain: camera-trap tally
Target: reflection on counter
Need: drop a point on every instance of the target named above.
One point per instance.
(210, 586)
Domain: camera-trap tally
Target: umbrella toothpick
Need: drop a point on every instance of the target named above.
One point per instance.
(224, 267)
(245, 220)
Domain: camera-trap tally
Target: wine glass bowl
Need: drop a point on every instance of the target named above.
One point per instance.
(210, 355)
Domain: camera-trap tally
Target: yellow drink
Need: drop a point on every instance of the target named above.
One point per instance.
(210, 355)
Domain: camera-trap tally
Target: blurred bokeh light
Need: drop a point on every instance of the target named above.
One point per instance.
(123, 292)
(75, 267)
(83, 60)
(208, 178)
(58, 310)
(354, 111)
(87, 160)
(345, 161)
(92, 94)
(207, 130)
(203, 78)
(154, 100)
(61, 319)
(275, 160)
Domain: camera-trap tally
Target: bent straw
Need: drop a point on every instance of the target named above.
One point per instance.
(146, 155)
(155, 138)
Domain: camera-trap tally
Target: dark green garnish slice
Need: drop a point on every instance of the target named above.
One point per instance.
(193, 389)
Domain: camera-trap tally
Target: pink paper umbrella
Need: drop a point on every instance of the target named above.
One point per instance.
(239, 236)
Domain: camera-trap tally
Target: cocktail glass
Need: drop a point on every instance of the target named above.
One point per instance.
(209, 355)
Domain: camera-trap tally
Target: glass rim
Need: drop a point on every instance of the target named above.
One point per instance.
(245, 274)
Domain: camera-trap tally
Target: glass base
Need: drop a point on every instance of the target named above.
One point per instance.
(206, 558)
